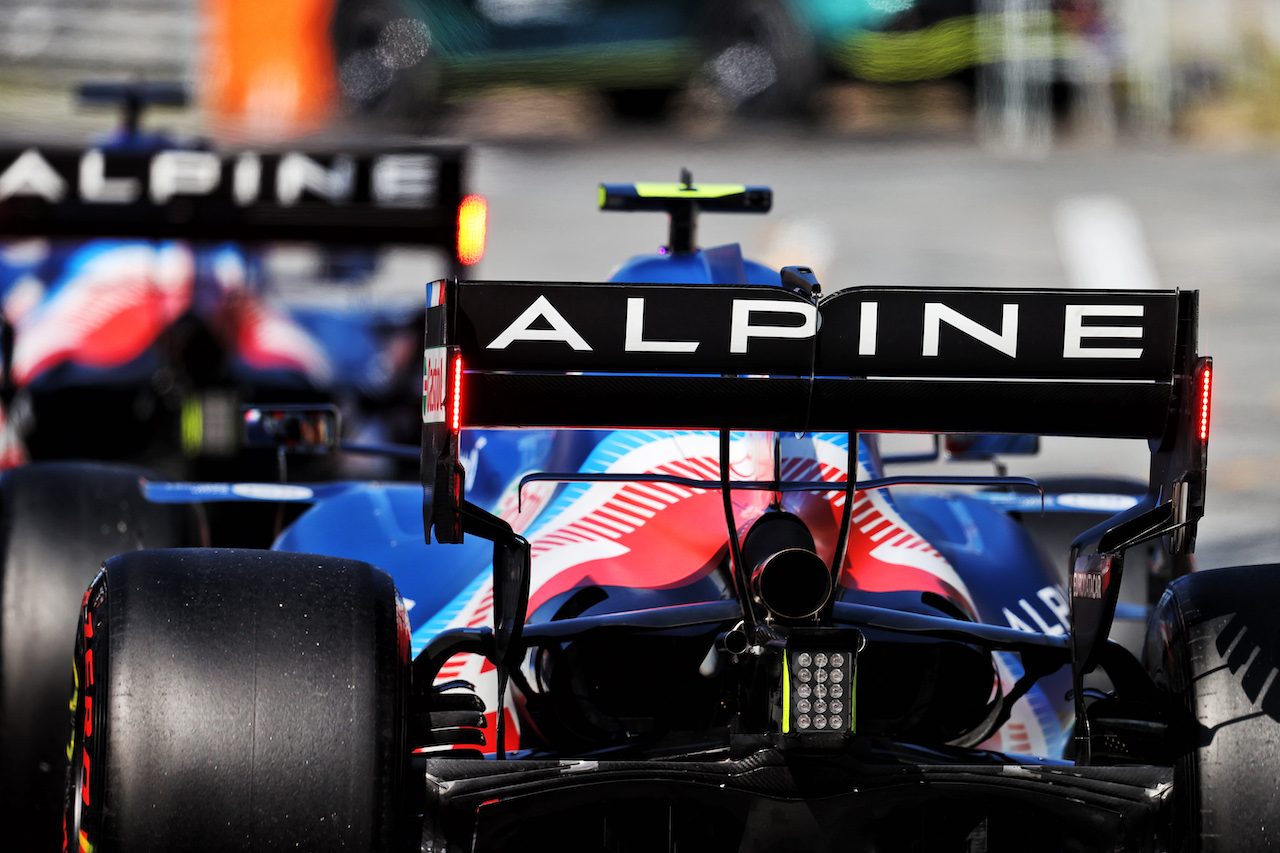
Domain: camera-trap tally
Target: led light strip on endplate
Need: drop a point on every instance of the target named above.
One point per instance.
(1206, 384)
(456, 421)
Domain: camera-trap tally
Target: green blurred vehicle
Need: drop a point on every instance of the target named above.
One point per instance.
(406, 58)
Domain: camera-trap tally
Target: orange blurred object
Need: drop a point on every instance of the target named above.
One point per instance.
(267, 67)
(473, 222)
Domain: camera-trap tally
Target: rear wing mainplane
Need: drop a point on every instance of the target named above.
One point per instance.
(872, 359)
(863, 359)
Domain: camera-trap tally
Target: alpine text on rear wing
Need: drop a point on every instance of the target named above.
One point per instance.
(1055, 362)
(359, 195)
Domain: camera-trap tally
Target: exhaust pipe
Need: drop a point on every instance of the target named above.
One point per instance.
(788, 578)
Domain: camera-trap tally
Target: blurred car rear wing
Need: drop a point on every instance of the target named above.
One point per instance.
(355, 195)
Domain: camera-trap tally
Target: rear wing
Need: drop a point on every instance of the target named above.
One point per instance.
(875, 359)
(357, 195)
(683, 202)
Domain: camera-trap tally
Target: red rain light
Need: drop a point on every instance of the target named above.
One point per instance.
(473, 220)
(456, 421)
(1206, 385)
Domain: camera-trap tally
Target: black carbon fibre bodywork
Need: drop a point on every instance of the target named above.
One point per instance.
(883, 405)
(895, 799)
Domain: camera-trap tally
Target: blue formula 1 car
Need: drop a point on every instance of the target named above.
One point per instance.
(683, 606)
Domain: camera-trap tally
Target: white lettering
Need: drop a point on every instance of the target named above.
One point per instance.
(741, 331)
(272, 492)
(404, 180)
(31, 174)
(184, 173)
(935, 314)
(1076, 331)
(1054, 600)
(1098, 503)
(246, 181)
(1015, 622)
(867, 328)
(1086, 585)
(560, 329)
(1045, 628)
(635, 341)
(96, 186)
(298, 173)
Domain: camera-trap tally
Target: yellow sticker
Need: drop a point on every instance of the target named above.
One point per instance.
(786, 695)
(681, 191)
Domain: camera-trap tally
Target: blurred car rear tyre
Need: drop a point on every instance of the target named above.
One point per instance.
(58, 522)
(238, 699)
(1214, 644)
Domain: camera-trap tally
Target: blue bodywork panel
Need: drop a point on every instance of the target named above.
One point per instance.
(720, 265)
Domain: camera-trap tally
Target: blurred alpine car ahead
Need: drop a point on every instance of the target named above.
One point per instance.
(139, 308)
(717, 628)
(136, 296)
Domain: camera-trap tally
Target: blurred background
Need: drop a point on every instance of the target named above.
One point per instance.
(1082, 143)
(1022, 73)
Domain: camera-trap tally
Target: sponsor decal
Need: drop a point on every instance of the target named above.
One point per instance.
(1097, 502)
(1050, 598)
(197, 490)
(1033, 334)
(872, 332)
(434, 386)
(748, 320)
(97, 176)
(1091, 576)
(544, 312)
(1006, 339)
(435, 294)
(1086, 585)
(271, 492)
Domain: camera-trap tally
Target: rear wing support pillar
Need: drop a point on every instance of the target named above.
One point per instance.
(1172, 507)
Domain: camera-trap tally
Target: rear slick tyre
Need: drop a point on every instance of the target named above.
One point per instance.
(239, 700)
(1214, 644)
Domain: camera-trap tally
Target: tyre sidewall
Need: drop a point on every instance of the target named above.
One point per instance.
(1214, 644)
